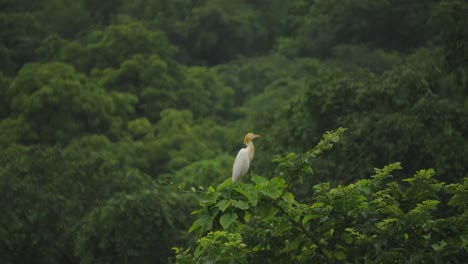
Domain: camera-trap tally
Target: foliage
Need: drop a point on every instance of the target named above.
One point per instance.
(408, 112)
(116, 115)
(371, 220)
(150, 79)
(314, 28)
(4, 101)
(250, 77)
(20, 34)
(405, 107)
(219, 30)
(205, 95)
(112, 232)
(52, 98)
(44, 193)
(66, 18)
(204, 172)
(109, 48)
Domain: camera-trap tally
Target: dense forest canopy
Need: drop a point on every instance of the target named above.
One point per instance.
(118, 119)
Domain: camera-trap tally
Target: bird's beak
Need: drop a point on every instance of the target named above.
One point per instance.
(255, 136)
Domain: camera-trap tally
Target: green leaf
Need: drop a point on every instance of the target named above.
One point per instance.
(249, 192)
(224, 204)
(206, 221)
(274, 188)
(266, 212)
(240, 204)
(227, 219)
(278, 159)
(287, 207)
(340, 255)
(224, 184)
(210, 198)
(439, 246)
(271, 192)
(278, 182)
(308, 170)
(317, 205)
(347, 238)
(198, 251)
(247, 217)
(259, 180)
(197, 211)
(290, 156)
(194, 226)
(307, 218)
(288, 197)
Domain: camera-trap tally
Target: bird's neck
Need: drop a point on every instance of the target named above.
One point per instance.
(250, 148)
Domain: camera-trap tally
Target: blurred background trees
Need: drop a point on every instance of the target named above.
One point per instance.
(110, 111)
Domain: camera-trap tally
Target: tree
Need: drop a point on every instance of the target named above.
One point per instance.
(371, 220)
(314, 29)
(206, 172)
(110, 110)
(205, 95)
(452, 35)
(179, 141)
(405, 112)
(134, 227)
(169, 16)
(249, 77)
(66, 18)
(452, 32)
(221, 30)
(110, 47)
(154, 81)
(58, 103)
(21, 33)
(4, 102)
(102, 12)
(45, 192)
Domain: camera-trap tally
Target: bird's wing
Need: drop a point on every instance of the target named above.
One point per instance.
(241, 165)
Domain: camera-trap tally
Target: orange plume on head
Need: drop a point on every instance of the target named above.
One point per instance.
(249, 136)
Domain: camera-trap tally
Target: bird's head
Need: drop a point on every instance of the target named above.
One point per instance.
(249, 137)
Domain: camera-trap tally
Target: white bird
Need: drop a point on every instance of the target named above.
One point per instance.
(245, 155)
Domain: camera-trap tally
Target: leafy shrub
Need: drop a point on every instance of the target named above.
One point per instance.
(374, 220)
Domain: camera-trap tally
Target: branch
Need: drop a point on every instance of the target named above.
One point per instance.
(301, 227)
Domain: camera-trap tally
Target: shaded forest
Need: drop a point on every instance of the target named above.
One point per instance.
(118, 119)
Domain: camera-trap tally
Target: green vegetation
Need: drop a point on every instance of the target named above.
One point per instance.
(373, 220)
(120, 121)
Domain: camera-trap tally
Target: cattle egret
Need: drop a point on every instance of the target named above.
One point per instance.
(245, 155)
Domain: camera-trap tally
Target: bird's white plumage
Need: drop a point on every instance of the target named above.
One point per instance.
(241, 164)
(243, 158)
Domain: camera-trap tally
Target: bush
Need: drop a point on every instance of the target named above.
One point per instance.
(375, 220)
